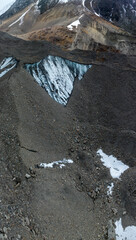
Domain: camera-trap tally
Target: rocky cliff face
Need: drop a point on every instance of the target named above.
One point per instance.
(46, 5)
(122, 12)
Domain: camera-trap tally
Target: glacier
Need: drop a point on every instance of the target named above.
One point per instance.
(57, 75)
(6, 65)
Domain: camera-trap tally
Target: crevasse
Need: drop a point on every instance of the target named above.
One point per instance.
(56, 75)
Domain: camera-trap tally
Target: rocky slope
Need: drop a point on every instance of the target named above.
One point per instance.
(70, 200)
(68, 131)
(16, 7)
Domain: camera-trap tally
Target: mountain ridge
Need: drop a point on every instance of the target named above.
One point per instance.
(122, 12)
(65, 24)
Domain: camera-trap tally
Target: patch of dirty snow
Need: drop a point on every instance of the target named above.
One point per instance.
(60, 163)
(110, 189)
(129, 233)
(116, 166)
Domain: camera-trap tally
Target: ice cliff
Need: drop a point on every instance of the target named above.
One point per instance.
(6, 65)
(56, 75)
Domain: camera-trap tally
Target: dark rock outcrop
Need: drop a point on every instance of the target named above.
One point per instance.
(46, 5)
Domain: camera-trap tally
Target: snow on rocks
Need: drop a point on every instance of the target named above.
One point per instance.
(74, 24)
(6, 65)
(110, 189)
(20, 19)
(116, 166)
(60, 163)
(129, 233)
(57, 75)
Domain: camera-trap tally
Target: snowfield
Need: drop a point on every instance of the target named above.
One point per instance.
(5, 5)
(129, 233)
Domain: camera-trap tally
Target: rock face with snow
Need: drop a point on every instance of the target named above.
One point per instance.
(16, 7)
(70, 25)
(56, 75)
(122, 12)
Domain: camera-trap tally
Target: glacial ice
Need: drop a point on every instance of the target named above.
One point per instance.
(6, 65)
(56, 75)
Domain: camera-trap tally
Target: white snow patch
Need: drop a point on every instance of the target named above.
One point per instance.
(83, 3)
(110, 189)
(57, 75)
(74, 24)
(129, 233)
(60, 163)
(63, 1)
(116, 166)
(98, 15)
